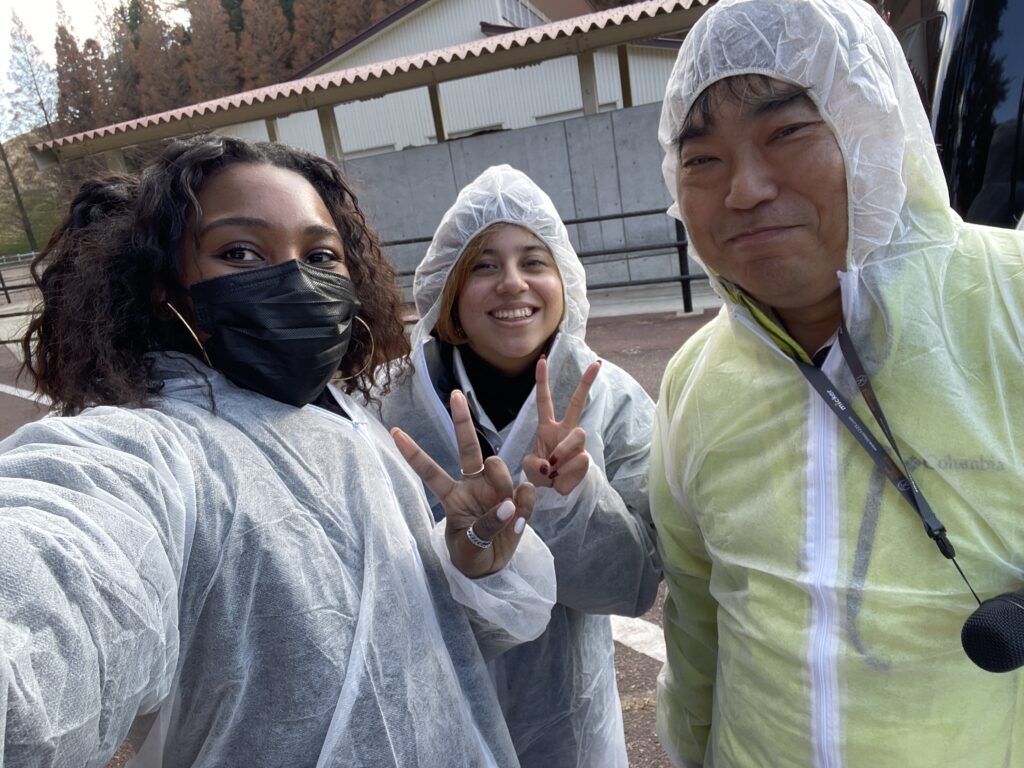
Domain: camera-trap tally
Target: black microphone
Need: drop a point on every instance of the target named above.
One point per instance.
(993, 636)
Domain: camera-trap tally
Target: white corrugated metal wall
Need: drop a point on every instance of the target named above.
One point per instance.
(506, 99)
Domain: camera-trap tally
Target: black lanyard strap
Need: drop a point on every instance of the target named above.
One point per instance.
(900, 478)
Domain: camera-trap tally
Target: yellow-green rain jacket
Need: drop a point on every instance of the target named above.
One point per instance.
(810, 620)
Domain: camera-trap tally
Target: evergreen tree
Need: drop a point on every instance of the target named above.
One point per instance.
(159, 60)
(31, 105)
(286, 6)
(236, 15)
(177, 58)
(32, 101)
(95, 63)
(314, 35)
(75, 91)
(212, 58)
(264, 50)
(122, 71)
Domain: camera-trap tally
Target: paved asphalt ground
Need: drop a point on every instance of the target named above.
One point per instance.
(638, 331)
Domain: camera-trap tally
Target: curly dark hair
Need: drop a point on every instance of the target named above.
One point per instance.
(113, 263)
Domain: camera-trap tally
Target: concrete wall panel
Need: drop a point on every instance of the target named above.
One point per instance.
(594, 165)
(638, 158)
(539, 151)
(591, 146)
(404, 195)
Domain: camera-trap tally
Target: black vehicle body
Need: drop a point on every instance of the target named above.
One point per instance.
(968, 59)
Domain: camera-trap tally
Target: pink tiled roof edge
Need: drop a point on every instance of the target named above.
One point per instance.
(520, 38)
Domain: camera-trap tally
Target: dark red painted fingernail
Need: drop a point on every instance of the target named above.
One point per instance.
(544, 471)
(552, 460)
(552, 476)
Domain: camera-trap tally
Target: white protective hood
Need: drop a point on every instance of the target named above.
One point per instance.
(499, 194)
(859, 80)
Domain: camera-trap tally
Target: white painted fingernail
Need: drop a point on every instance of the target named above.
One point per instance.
(505, 510)
(519, 525)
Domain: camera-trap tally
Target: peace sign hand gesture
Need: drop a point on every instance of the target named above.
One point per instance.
(485, 515)
(560, 460)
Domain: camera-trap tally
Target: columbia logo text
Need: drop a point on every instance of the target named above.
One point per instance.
(946, 463)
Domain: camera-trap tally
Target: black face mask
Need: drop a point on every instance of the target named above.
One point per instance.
(281, 331)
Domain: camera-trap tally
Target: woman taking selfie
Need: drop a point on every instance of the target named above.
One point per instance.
(502, 301)
(193, 539)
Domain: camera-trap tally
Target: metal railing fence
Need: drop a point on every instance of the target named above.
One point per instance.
(684, 278)
(679, 245)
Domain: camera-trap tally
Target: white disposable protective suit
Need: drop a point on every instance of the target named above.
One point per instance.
(263, 575)
(810, 620)
(558, 693)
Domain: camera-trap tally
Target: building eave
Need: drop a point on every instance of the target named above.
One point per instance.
(638, 21)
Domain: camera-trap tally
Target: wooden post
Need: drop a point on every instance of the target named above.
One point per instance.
(588, 81)
(627, 88)
(271, 123)
(329, 131)
(440, 131)
(115, 161)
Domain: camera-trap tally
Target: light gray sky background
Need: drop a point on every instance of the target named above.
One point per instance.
(40, 17)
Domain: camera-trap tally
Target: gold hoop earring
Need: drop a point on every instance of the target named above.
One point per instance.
(369, 360)
(191, 333)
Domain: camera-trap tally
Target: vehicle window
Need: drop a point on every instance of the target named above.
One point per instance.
(985, 145)
(922, 44)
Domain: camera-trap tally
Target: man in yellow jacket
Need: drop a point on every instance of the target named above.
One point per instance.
(814, 610)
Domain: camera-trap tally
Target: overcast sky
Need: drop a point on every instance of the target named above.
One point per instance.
(40, 18)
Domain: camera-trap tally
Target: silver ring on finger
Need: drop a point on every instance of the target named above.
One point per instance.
(475, 540)
(475, 473)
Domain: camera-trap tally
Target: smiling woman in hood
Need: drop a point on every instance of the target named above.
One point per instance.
(503, 311)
